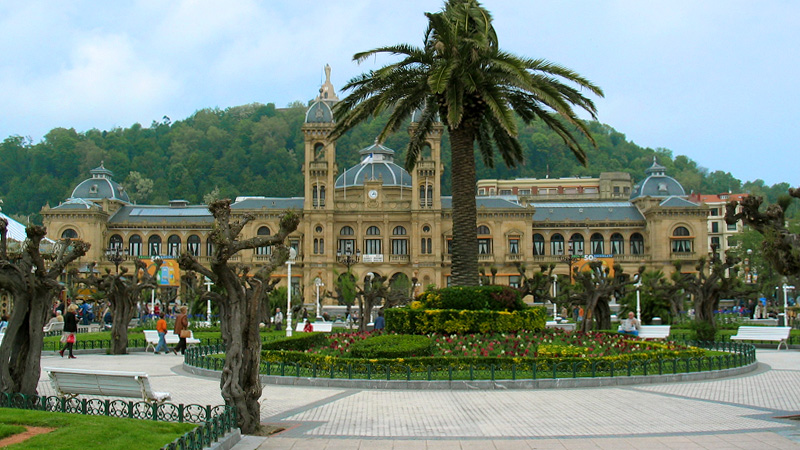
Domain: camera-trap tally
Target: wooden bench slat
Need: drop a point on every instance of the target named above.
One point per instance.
(72, 382)
(775, 334)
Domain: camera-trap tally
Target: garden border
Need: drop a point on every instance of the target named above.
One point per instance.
(746, 350)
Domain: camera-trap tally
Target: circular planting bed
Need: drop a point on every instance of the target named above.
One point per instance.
(515, 359)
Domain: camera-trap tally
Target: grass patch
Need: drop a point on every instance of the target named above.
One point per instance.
(92, 432)
(10, 430)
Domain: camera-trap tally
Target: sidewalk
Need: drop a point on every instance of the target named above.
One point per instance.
(738, 413)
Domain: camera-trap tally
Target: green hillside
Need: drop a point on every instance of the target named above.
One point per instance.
(258, 150)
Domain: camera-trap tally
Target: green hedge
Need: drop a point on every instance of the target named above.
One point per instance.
(299, 342)
(449, 321)
(473, 298)
(392, 346)
(421, 364)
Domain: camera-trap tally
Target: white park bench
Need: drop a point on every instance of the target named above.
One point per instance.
(151, 336)
(318, 326)
(70, 383)
(775, 334)
(53, 326)
(652, 331)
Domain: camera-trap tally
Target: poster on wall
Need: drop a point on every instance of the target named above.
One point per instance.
(607, 260)
(169, 273)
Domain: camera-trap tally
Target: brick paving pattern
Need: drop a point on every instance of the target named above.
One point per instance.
(737, 413)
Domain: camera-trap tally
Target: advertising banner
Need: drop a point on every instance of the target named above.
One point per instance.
(607, 260)
(169, 273)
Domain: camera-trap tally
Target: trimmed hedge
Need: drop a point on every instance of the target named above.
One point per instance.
(392, 346)
(473, 298)
(299, 342)
(449, 321)
(421, 364)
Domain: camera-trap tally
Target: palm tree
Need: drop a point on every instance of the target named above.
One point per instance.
(461, 76)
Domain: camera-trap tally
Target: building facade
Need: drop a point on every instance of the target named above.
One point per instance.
(376, 217)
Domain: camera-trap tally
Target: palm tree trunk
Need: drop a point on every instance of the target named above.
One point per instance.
(465, 216)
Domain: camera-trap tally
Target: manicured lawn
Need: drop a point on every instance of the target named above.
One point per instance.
(92, 432)
(8, 430)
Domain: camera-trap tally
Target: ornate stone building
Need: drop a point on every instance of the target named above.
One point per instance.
(376, 217)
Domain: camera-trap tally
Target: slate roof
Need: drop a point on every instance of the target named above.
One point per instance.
(586, 211)
(678, 202)
(484, 202)
(377, 164)
(75, 203)
(657, 184)
(280, 203)
(100, 186)
(160, 214)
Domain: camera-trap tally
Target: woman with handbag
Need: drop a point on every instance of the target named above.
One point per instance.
(182, 330)
(70, 328)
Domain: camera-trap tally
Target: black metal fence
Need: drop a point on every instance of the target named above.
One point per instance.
(737, 355)
(214, 421)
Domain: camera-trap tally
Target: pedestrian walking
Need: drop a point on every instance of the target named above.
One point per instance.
(182, 330)
(70, 330)
(161, 328)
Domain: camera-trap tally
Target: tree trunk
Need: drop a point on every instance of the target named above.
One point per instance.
(602, 315)
(122, 311)
(21, 350)
(240, 385)
(464, 270)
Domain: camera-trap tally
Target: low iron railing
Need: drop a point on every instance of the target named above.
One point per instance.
(738, 355)
(214, 421)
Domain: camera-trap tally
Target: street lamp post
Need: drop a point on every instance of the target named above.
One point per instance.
(208, 283)
(786, 288)
(289, 262)
(116, 255)
(318, 284)
(638, 300)
(157, 261)
(348, 258)
(555, 292)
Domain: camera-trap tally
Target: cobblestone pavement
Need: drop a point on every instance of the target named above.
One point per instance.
(739, 413)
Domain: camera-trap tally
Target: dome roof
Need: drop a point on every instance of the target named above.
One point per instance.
(377, 164)
(658, 184)
(319, 112)
(100, 186)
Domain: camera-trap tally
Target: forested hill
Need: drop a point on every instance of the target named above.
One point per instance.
(258, 150)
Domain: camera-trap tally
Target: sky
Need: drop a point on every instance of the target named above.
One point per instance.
(712, 79)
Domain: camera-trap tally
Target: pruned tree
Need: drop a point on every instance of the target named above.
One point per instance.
(710, 282)
(374, 291)
(596, 287)
(344, 285)
(781, 247)
(539, 285)
(32, 279)
(241, 302)
(123, 291)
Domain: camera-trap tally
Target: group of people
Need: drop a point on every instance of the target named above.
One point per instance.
(181, 330)
(69, 334)
(277, 320)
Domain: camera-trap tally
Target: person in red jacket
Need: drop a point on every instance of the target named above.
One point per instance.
(308, 328)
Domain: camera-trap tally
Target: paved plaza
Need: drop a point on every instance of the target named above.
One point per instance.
(741, 412)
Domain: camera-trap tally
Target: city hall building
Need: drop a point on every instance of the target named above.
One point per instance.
(376, 217)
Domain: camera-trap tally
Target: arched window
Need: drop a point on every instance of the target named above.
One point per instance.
(346, 231)
(617, 244)
(319, 246)
(174, 245)
(319, 151)
(135, 245)
(637, 244)
(69, 233)
(399, 231)
(597, 244)
(347, 246)
(115, 242)
(576, 244)
(265, 249)
(154, 245)
(681, 240)
(425, 246)
(538, 244)
(557, 245)
(373, 246)
(484, 240)
(193, 245)
(373, 231)
(318, 196)
(209, 247)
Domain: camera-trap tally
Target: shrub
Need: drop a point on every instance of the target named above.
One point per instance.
(449, 321)
(392, 346)
(703, 331)
(494, 298)
(299, 342)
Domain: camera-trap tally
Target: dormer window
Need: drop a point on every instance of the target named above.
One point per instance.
(93, 189)
(662, 187)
